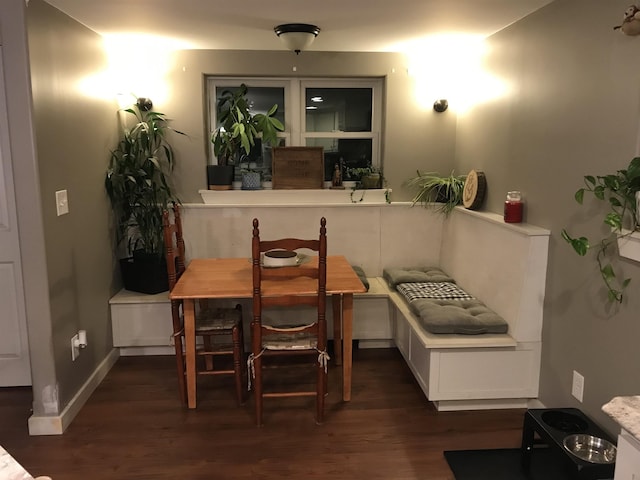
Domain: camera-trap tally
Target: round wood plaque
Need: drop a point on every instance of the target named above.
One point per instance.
(475, 186)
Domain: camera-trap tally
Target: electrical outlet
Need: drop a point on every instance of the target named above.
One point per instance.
(577, 387)
(75, 347)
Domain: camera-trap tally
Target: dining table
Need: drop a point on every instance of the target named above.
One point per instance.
(231, 278)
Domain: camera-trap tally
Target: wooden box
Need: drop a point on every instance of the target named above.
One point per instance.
(298, 167)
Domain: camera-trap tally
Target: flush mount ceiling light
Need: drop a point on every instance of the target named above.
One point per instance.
(297, 36)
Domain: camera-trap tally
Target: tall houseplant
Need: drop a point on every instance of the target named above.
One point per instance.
(620, 191)
(446, 192)
(139, 189)
(237, 131)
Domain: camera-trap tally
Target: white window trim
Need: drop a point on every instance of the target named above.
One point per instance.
(295, 119)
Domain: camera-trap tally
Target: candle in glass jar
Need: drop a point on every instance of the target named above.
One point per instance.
(513, 207)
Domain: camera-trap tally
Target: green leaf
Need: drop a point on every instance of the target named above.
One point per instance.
(614, 220)
(599, 192)
(579, 196)
(607, 272)
(590, 179)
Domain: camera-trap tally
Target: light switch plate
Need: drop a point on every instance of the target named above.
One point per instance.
(62, 202)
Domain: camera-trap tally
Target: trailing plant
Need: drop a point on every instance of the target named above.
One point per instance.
(238, 127)
(444, 193)
(618, 190)
(137, 180)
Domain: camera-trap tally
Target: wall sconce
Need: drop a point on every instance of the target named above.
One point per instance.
(440, 105)
(144, 104)
(297, 36)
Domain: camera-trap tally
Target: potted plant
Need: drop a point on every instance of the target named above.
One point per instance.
(236, 133)
(619, 191)
(431, 188)
(366, 177)
(251, 177)
(139, 189)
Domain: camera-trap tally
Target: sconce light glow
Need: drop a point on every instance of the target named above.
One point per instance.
(138, 65)
(450, 67)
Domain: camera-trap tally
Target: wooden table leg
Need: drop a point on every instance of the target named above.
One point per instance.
(336, 301)
(190, 348)
(347, 348)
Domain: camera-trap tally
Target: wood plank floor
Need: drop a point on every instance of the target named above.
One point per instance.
(133, 427)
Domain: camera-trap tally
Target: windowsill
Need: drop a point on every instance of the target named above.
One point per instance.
(295, 197)
(629, 245)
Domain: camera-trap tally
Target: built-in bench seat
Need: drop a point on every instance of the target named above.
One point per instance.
(460, 372)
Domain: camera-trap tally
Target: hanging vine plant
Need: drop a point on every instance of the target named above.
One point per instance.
(619, 190)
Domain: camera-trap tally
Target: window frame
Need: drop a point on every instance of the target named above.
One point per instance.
(295, 133)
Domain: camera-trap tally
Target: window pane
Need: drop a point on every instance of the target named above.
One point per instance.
(338, 109)
(347, 152)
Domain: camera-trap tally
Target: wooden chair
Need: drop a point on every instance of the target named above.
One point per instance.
(306, 338)
(219, 328)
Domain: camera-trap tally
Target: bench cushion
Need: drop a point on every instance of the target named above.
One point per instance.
(361, 275)
(467, 317)
(395, 276)
(439, 290)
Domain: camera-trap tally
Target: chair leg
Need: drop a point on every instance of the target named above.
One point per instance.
(208, 359)
(182, 384)
(257, 389)
(320, 393)
(238, 362)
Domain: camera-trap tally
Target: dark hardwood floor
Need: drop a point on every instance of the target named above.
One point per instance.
(133, 427)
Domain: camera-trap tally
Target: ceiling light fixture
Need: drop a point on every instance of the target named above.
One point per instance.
(297, 36)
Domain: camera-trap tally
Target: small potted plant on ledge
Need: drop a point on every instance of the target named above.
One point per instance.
(139, 189)
(432, 189)
(235, 136)
(619, 191)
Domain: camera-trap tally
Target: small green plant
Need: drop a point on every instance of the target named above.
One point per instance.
(445, 193)
(238, 127)
(618, 190)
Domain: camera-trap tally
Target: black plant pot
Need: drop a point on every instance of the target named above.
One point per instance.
(144, 273)
(220, 177)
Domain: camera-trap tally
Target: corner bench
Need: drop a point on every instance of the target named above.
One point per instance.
(460, 372)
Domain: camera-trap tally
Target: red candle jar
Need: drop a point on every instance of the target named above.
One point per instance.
(513, 207)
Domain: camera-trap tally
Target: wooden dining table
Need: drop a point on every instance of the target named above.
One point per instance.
(231, 278)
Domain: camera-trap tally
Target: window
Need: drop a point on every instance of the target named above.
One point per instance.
(341, 115)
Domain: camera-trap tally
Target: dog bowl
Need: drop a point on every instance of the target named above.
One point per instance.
(590, 449)
(564, 421)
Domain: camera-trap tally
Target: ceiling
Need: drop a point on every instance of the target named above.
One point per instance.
(346, 25)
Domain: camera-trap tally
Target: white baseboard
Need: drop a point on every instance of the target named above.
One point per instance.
(492, 404)
(376, 344)
(56, 425)
(146, 351)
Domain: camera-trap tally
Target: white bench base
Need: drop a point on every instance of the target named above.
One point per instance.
(467, 372)
(455, 372)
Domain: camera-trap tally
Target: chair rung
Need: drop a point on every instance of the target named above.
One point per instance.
(215, 372)
(214, 352)
(290, 394)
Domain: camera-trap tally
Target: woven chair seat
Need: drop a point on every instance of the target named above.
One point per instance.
(217, 319)
(299, 341)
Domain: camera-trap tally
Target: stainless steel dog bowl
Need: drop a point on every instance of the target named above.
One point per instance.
(590, 449)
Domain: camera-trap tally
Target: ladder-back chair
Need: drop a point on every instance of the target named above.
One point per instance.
(304, 338)
(219, 328)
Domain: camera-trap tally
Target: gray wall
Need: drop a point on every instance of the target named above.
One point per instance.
(573, 112)
(74, 133)
(414, 137)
